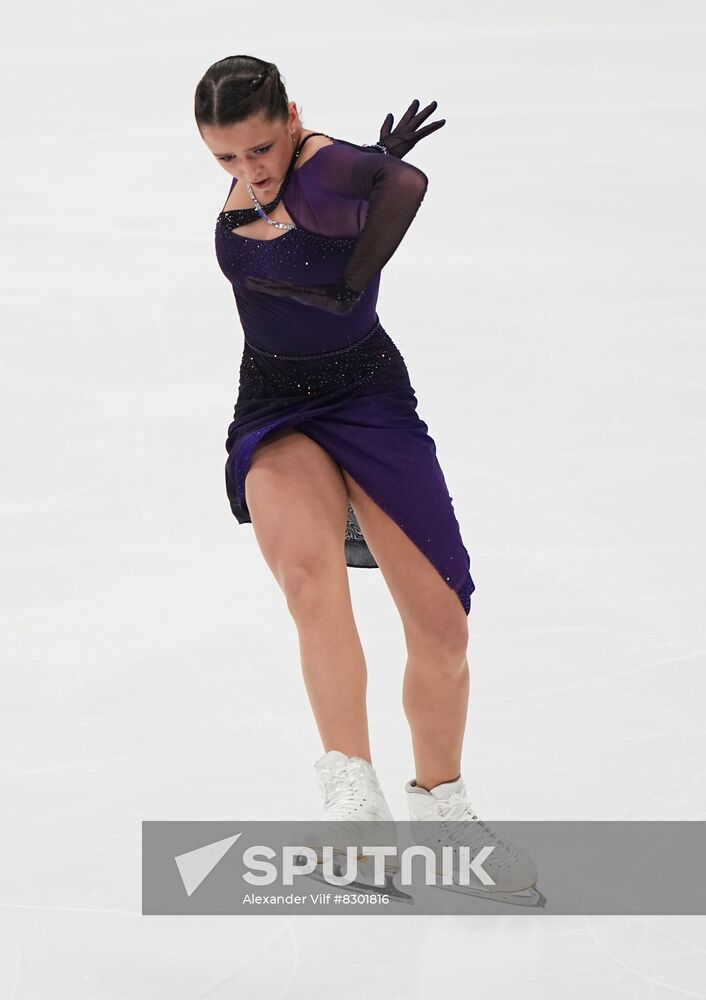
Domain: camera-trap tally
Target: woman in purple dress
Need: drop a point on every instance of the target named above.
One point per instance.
(327, 456)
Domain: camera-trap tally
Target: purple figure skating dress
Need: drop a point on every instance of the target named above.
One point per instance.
(339, 379)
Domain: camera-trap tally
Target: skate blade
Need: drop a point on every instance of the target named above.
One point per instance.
(359, 885)
(530, 897)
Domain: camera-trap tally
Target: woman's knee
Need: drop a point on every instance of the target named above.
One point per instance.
(310, 586)
(441, 639)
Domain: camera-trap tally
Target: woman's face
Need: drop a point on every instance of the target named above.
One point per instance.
(255, 150)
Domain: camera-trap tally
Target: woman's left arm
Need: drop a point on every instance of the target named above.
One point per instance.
(394, 190)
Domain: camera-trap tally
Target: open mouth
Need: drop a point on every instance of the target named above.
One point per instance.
(261, 183)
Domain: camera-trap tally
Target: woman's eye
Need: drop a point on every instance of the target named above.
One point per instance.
(262, 149)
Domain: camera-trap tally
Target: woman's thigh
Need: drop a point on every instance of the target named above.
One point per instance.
(298, 499)
(433, 618)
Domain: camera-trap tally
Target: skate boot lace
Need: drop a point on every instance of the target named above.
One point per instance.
(342, 796)
(457, 807)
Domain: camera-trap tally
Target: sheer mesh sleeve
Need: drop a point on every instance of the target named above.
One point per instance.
(344, 190)
(394, 190)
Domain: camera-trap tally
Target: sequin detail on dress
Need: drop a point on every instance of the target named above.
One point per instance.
(265, 375)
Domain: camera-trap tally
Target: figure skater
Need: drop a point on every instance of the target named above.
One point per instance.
(327, 455)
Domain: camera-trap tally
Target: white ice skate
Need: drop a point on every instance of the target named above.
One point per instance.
(354, 799)
(511, 869)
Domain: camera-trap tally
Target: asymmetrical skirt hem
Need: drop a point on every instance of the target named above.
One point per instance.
(360, 407)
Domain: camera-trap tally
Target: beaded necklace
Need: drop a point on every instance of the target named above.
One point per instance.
(237, 217)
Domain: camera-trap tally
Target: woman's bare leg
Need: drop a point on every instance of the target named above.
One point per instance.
(436, 681)
(298, 500)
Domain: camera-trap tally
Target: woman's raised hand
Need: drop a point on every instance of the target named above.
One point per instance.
(400, 140)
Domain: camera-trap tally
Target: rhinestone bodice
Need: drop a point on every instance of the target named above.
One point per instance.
(315, 251)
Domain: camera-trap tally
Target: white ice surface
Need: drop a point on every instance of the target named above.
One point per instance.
(549, 302)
